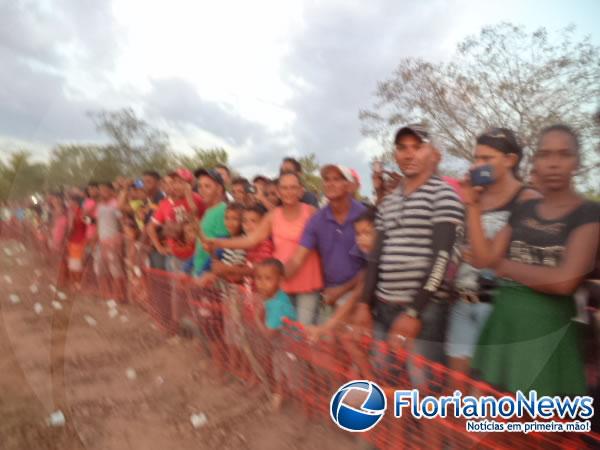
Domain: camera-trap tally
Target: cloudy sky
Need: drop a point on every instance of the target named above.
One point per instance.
(262, 78)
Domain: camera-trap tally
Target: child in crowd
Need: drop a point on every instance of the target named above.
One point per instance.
(351, 335)
(133, 256)
(277, 307)
(230, 268)
(76, 241)
(251, 218)
(58, 234)
(108, 259)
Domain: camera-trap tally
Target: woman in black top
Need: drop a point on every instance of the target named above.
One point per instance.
(542, 256)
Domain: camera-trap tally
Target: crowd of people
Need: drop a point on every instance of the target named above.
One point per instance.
(491, 276)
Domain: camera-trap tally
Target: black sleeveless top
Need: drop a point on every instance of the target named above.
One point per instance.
(542, 242)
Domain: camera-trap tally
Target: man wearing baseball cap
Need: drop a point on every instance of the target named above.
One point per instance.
(212, 226)
(419, 227)
(331, 232)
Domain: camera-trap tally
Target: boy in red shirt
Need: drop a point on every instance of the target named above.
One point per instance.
(76, 240)
(181, 206)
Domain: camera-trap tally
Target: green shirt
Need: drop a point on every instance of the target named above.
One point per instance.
(212, 226)
(278, 308)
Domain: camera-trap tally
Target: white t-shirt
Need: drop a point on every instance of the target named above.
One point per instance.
(108, 218)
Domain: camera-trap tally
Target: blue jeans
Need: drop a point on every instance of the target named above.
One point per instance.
(429, 343)
(465, 323)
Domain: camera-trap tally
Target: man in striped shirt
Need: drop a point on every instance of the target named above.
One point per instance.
(419, 226)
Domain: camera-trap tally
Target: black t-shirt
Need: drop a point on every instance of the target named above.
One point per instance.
(542, 242)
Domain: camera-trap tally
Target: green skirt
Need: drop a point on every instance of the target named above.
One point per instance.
(530, 343)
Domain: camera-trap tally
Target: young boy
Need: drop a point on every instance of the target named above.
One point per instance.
(268, 276)
(76, 241)
(251, 219)
(108, 259)
(230, 267)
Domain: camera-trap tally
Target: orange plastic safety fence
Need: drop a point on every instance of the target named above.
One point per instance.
(226, 317)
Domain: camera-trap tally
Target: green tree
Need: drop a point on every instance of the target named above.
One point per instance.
(135, 145)
(503, 77)
(76, 164)
(310, 170)
(20, 177)
(205, 158)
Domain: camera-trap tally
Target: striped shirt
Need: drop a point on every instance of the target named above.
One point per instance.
(407, 253)
(231, 257)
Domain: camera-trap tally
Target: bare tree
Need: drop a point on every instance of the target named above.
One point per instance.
(503, 77)
(136, 145)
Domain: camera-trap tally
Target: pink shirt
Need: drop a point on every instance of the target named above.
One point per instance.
(286, 239)
(59, 231)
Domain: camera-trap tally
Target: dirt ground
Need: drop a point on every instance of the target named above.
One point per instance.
(121, 384)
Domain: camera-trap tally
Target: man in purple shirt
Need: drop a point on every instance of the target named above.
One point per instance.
(331, 232)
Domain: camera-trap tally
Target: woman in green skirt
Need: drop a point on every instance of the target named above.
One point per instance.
(530, 341)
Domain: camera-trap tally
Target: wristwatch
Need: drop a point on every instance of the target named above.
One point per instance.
(412, 312)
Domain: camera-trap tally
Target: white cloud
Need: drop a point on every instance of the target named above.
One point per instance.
(263, 78)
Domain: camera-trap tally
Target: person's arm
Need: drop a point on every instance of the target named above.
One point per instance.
(237, 270)
(578, 261)
(262, 233)
(296, 261)
(123, 199)
(332, 294)
(341, 314)
(267, 332)
(485, 252)
(153, 235)
(189, 198)
(308, 242)
(444, 238)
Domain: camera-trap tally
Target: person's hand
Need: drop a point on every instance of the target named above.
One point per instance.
(363, 319)
(331, 295)
(313, 333)
(404, 330)
(470, 193)
(467, 255)
(121, 182)
(209, 246)
(163, 250)
(377, 180)
(393, 181)
(219, 268)
(205, 280)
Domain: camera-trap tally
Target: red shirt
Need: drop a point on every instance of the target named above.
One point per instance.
(258, 254)
(78, 230)
(262, 251)
(170, 210)
(182, 250)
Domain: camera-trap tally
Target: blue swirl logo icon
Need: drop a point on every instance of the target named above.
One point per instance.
(358, 406)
